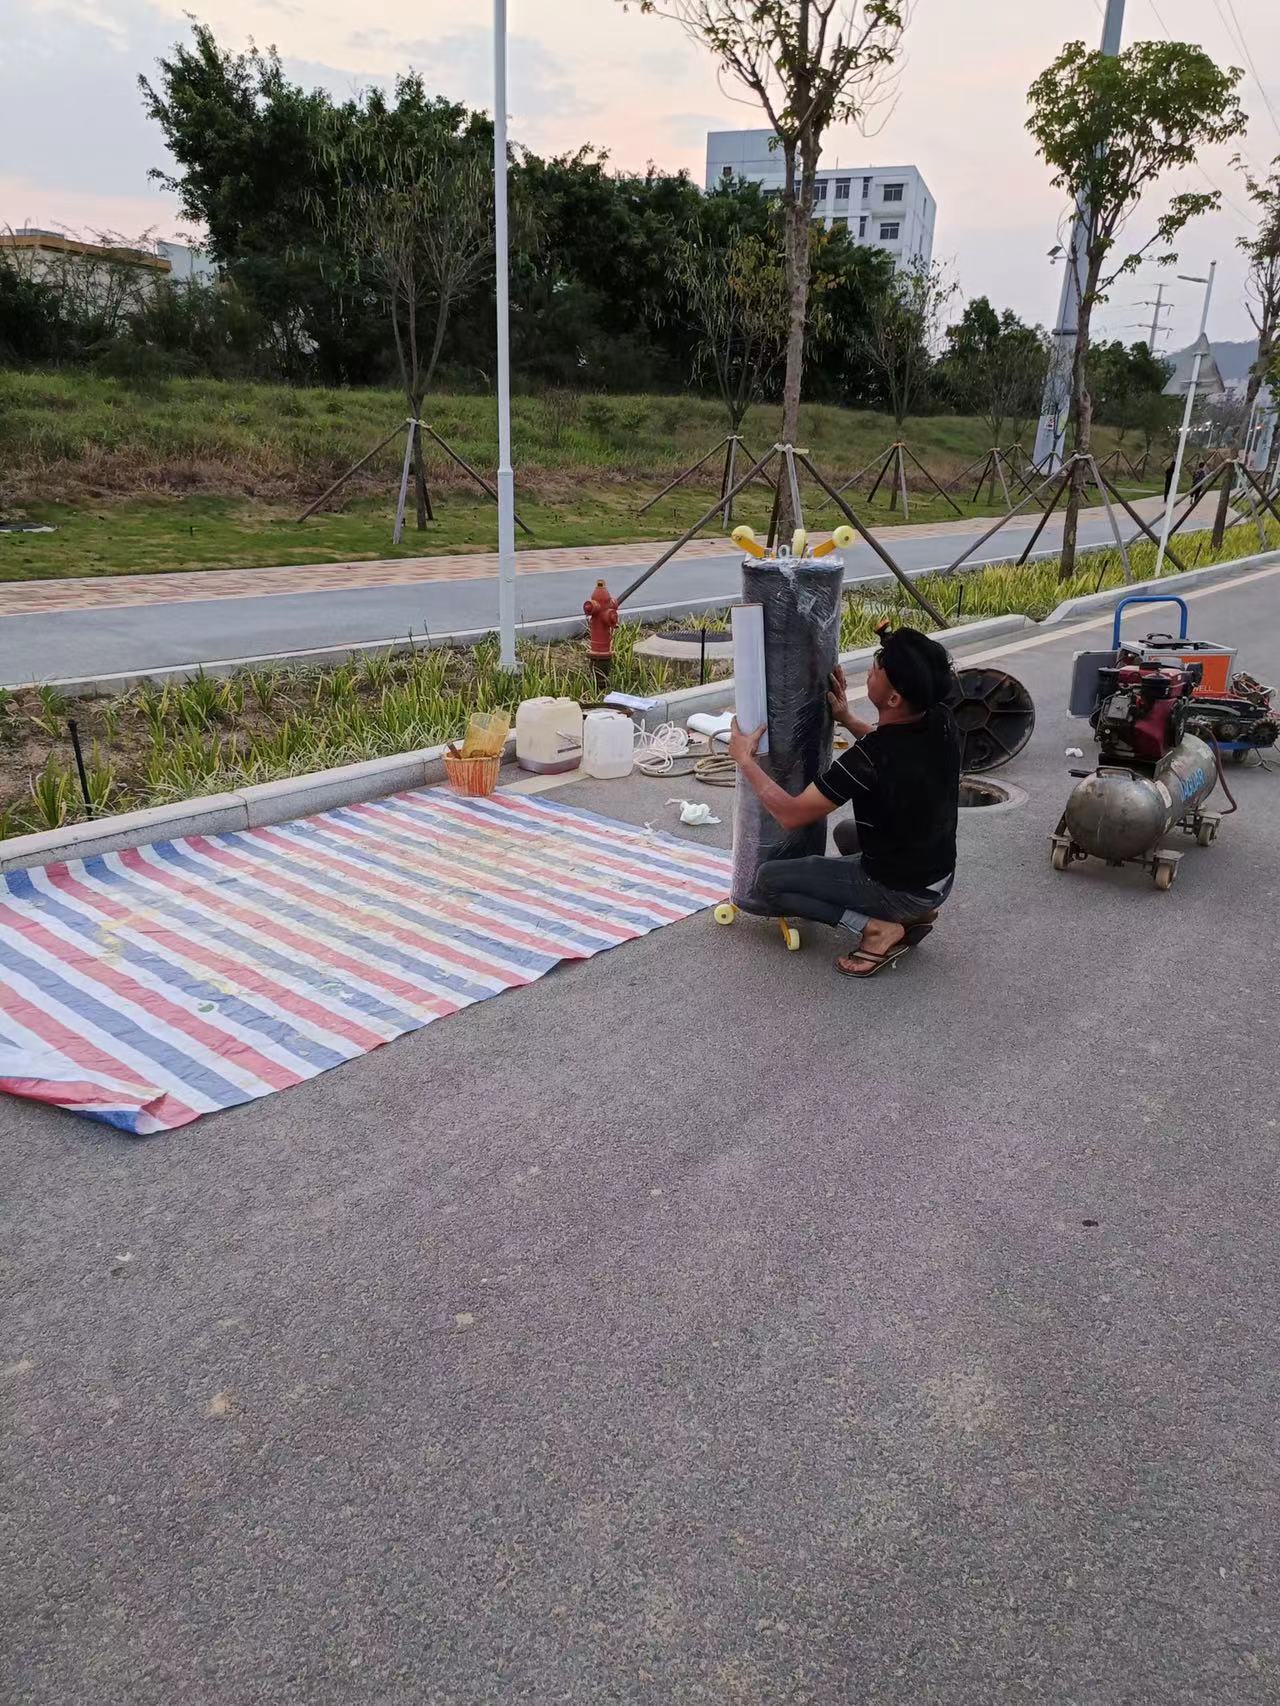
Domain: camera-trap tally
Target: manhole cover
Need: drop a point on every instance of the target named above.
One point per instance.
(974, 793)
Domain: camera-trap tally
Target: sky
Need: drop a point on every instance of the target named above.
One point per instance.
(75, 146)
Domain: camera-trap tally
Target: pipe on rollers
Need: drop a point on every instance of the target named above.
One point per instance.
(799, 601)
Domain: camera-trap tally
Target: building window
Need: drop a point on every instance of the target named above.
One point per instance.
(862, 226)
(866, 188)
(842, 188)
(893, 192)
(726, 171)
(820, 190)
(889, 232)
(839, 223)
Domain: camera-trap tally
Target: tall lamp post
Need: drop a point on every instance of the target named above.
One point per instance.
(506, 476)
(1171, 501)
(1047, 454)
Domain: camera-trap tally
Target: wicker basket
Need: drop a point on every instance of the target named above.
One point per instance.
(472, 775)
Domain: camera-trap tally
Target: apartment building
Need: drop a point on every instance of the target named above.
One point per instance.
(889, 207)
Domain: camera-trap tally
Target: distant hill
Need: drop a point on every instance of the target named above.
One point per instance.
(1234, 360)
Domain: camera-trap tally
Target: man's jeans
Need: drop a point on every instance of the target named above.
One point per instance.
(839, 891)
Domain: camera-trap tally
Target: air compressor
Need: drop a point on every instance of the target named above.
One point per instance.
(1153, 776)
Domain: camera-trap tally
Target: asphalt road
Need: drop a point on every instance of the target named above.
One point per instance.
(78, 644)
(695, 1326)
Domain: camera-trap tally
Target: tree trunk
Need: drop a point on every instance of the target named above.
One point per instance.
(797, 199)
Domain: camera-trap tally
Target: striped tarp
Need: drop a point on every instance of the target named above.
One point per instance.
(148, 987)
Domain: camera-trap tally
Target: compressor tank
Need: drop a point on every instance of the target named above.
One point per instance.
(1118, 814)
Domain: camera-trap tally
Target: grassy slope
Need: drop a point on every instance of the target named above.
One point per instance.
(197, 474)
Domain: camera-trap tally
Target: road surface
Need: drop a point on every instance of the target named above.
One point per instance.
(83, 632)
(695, 1326)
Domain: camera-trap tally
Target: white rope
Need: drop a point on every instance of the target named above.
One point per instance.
(657, 749)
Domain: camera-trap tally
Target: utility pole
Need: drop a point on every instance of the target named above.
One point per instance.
(506, 476)
(1055, 403)
(1171, 501)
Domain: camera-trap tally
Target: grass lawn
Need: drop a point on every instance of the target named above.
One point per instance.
(150, 536)
(187, 474)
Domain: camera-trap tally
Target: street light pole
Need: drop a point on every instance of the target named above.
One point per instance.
(1171, 500)
(1055, 402)
(506, 476)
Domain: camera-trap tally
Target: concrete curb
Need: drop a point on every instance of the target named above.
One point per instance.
(1091, 602)
(219, 814)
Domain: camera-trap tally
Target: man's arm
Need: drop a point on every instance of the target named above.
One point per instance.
(792, 811)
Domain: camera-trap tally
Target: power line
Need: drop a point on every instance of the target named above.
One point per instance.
(1244, 48)
(1239, 211)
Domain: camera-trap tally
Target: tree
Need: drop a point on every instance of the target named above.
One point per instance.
(737, 303)
(995, 365)
(1108, 126)
(810, 64)
(411, 212)
(1262, 287)
(1120, 380)
(902, 334)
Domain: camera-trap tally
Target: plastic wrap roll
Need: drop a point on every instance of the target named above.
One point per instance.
(800, 603)
(750, 704)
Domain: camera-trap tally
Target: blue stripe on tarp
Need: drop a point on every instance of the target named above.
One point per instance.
(308, 914)
(192, 984)
(614, 908)
(460, 936)
(521, 917)
(256, 950)
(186, 1072)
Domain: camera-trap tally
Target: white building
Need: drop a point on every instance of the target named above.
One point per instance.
(889, 207)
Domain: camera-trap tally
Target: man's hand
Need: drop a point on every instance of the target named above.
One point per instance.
(744, 746)
(838, 699)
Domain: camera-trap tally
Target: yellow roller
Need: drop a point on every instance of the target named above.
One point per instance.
(840, 540)
(745, 540)
(799, 539)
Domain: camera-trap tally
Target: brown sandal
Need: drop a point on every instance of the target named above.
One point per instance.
(912, 936)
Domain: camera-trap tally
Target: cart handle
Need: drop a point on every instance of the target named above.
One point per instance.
(1149, 598)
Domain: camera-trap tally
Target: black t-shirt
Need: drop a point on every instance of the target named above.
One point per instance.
(903, 782)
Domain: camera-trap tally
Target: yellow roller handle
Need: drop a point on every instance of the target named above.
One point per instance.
(840, 540)
(745, 540)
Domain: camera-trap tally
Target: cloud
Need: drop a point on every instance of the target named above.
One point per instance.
(460, 65)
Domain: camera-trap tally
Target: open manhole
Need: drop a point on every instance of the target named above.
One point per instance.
(974, 793)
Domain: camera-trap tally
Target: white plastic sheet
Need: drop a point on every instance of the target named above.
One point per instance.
(752, 707)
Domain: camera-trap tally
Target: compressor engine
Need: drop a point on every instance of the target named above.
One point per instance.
(1142, 709)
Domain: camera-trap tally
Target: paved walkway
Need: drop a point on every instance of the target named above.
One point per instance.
(695, 1327)
(22, 598)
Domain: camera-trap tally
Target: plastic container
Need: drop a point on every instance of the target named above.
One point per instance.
(472, 776)
(608, 745)
(549, 735)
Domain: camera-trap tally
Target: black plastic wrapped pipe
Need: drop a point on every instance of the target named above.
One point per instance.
(801, 601)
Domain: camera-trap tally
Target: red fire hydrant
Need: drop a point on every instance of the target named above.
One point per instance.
(601, 612)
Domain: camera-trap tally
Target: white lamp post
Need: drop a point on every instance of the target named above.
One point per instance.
(1170, 502)
(506, 476)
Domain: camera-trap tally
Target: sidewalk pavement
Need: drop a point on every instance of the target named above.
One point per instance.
(27, 598)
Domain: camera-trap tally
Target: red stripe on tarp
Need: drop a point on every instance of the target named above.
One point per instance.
(245, 971)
